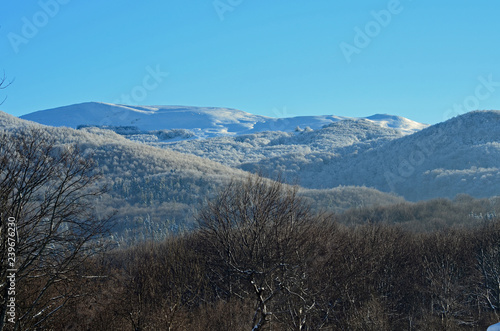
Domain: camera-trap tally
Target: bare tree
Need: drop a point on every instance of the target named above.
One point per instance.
(3, 85)
(488, 264)
(447, 261)
(47, 194)
(160, 282)
(256, 234)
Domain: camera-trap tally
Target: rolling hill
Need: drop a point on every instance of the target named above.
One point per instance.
(387, 153)
(203, 122)
(157, 190)
(460, 155)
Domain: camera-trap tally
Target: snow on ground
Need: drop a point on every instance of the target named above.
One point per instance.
(205, 122)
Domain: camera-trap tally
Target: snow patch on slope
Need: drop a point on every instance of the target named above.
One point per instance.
(397, 122)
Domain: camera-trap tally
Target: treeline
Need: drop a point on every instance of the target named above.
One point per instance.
(261, 260)
(428, 215)
(370, 277)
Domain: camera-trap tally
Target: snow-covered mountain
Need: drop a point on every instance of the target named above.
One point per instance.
(461, 155)
(155, 188)
(201, 122)
(388, 153)
(334, 140)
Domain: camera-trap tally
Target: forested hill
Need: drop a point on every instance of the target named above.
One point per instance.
(458, 156)
(388, 153)
(156, 190)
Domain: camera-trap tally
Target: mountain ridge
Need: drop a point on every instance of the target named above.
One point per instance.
(385, 152)
(163, 188)
(458, 156)
(204, 122)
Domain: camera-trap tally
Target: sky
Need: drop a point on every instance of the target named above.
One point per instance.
(421, 59)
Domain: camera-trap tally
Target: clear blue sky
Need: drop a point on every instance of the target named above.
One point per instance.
(276, 58)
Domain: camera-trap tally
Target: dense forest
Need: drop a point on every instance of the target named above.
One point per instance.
(315, 274)
(260, 258)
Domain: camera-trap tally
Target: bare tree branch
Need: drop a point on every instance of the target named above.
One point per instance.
(50, 191)
(257, 233)
(4, 84)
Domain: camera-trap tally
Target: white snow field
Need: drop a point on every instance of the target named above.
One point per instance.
(203, 121)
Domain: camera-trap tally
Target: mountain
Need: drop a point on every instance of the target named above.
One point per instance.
(144, 181)
(202, 122)
(443, 160)
(336, 139)
(461, 155)
(157, 190)
(388, 153)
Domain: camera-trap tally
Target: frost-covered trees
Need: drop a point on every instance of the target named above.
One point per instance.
(47, 192)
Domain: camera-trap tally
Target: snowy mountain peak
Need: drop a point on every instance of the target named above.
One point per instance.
(203, 122)
(397, 122)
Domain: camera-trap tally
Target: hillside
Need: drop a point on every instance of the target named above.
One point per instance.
(146, 183)
(337, 139)
(384, 152)
(156, 190)
(460, 155)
